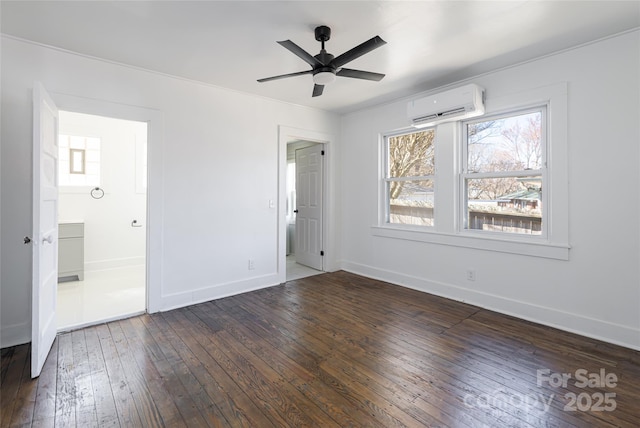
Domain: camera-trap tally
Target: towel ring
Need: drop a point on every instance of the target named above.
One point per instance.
(97, 193)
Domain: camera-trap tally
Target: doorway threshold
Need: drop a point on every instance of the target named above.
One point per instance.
(298, 271)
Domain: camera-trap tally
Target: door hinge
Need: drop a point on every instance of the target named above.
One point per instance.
(322, 153)
(322, 253)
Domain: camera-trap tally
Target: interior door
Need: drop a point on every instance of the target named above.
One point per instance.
(309, 165)
(45, 227)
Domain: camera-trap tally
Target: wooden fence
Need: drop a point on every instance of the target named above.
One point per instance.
(479, 220)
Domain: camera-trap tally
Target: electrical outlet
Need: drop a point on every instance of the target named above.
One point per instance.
(471, 275)
(252, 264)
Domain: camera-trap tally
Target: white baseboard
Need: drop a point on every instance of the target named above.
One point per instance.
(113, 263)
(217, 291)
(590, 327)
(15, 334)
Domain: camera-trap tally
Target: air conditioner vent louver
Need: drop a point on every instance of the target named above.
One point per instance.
(455, 104)
(423, 118)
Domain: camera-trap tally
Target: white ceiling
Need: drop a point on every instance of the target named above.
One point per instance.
(233, 43)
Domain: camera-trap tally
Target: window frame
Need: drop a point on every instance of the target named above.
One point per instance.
(447, 229)
(385, 212)
(82, 188)
(465, 175)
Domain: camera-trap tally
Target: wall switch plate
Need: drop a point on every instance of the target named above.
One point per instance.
(252, 264)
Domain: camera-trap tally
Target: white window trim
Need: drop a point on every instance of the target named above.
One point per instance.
(447, 228)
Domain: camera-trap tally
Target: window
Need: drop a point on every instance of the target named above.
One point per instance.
(409, 178)
(497, 182)
(79, 161)
(504, 173)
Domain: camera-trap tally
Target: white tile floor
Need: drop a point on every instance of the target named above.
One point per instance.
(297, 271)
(117, 293)
(102, 296)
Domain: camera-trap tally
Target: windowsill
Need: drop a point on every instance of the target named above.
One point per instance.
(488, 243)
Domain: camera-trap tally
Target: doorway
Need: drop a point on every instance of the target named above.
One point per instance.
(102, 219)
(304, 209)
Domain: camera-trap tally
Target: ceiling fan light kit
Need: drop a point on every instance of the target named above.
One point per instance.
(324, 77)
(325, 67)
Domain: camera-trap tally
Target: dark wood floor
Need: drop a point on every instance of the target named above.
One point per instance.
(331, 350)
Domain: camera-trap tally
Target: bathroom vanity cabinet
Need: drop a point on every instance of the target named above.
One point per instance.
(71, 250)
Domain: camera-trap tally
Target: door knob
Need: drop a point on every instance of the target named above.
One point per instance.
(48, 239)
(27, 239)
(295, 211)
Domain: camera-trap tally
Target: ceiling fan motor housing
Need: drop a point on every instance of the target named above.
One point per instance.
(323, 33)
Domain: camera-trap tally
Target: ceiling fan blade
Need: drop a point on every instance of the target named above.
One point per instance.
(301, 53)
(317, 90)
(284, 76)
(359, 74)
(358, 51)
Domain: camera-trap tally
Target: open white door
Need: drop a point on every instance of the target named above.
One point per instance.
(309, 178)
(45, 227)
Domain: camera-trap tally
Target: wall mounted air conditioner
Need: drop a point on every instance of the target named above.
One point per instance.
(460, 103)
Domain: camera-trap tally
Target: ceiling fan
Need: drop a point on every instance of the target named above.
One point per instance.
(325, 66)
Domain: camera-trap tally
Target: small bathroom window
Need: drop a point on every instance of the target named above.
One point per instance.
(76, 161)
(79, 159)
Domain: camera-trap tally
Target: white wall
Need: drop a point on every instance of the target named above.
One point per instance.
(109, 239)
(597, 291)
(215, 168)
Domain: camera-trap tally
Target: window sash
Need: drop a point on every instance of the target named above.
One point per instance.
(465, 175)
(387, 179)
(387, 160)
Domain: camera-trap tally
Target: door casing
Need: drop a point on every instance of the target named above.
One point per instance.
(288, 134)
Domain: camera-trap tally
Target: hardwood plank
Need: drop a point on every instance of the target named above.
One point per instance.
(6, 355)
(298, 375)
(286, 369)
(331, 350)
(85, 404)
(257, 389)
(118, 383)
(24, 400)
(374, 368)
(233, 401)
(105, 405)
(45, 405)
(154, 407)
(392, 413)
(165, 383)
(17, 359)
(65, 383)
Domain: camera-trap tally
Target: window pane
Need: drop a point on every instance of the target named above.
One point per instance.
(510, 204)
(79, 161)
(411, 155)
(76, 142)
(508, 144)
(411, 202)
